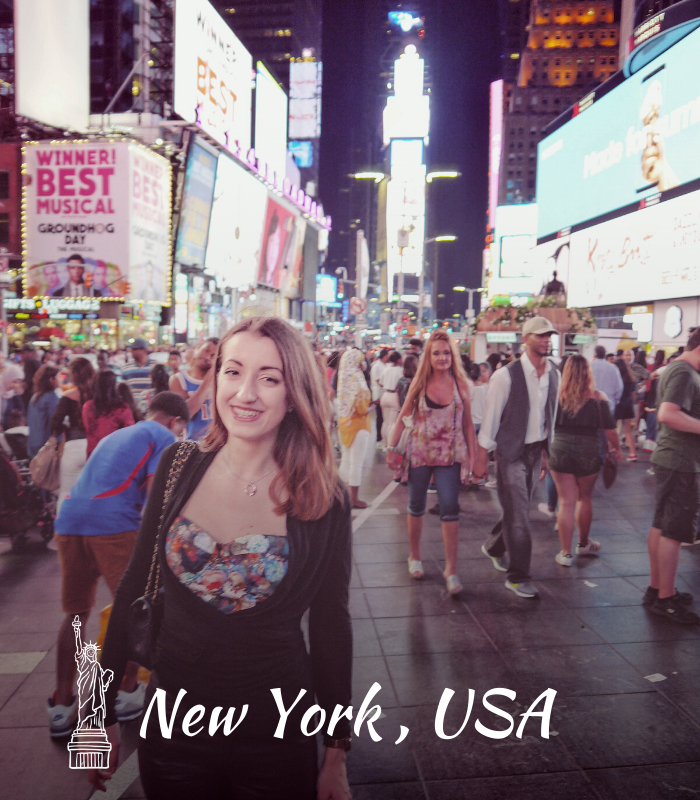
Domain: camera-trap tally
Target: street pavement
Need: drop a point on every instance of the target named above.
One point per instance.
(626, 717)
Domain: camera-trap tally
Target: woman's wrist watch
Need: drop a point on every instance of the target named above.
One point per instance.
(338, 744)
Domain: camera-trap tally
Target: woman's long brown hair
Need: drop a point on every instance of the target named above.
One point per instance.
(425, 368)
(303, 449)
(576, 384)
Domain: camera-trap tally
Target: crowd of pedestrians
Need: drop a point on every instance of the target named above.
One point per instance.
(244, 448)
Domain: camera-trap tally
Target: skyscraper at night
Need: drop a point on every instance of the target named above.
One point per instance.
(275, 32)
(571, 48)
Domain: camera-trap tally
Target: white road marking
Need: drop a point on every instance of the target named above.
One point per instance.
(366, 513)
(122, 778)
(19, 663)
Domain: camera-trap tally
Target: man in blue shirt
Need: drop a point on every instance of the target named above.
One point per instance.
(194, 385)
(96, 531)
(607, 378)
(137, 373)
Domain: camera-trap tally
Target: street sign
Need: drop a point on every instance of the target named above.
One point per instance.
(357, 305)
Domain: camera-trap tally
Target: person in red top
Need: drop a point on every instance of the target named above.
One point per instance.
(106, 412)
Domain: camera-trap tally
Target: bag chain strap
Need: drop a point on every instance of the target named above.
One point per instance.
(183, 453)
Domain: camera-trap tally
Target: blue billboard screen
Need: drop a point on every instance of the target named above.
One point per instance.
(639, 139)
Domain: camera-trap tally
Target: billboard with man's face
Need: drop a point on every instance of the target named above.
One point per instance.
(96, 215)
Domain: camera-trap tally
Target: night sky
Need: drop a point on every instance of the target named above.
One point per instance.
(462, 49)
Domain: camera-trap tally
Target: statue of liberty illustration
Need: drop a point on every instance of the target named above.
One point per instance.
(89, 747)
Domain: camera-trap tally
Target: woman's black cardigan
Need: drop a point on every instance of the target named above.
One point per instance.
(231, 659)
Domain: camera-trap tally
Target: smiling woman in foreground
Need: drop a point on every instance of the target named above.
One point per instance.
(255, 533)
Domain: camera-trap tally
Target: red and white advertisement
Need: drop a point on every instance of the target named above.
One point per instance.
(93, 211)
(149, 226)
(277, 238)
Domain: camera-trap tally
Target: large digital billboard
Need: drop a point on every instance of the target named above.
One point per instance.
(52, 62)
(277, 239)
(211, 74)
(236, 228)
(653, 254)
(639, 139)
(197, 199)
(270, 121)
(96, 219)
(305, 79)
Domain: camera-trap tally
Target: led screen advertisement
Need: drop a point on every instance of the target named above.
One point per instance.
(52, 62)
(305, 82)
(197, 199)
(270, 121)
(652, 254)
(276, 241)
(639, 139)
(236, 228)
(211, 74)
(149, 226)
(97, 219)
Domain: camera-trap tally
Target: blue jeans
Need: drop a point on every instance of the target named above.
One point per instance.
(447, 485)
(651, 425)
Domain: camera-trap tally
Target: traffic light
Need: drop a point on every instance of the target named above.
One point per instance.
(87, 280)
(127, 289)
(435, 324)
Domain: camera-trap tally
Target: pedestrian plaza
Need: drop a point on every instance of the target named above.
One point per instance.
(626, 717)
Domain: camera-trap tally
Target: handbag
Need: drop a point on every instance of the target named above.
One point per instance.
(402, 446)
(146, 613)
(609, 462)
(45, 467)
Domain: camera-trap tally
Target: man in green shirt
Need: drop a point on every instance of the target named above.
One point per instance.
(677, 466)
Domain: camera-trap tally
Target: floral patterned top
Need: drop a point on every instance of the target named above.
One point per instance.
(437, 437)
(231, 576)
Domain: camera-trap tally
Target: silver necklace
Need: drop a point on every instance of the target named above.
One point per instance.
(250, 488)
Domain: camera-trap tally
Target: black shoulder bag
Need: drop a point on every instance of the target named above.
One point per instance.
(610, 462)
(146, 613)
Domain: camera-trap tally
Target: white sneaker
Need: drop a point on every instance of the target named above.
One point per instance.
(543, 508)
(129, 705)
(565, 559)
(492, 484)
(588, 549)
(432, 490)
(62, 719)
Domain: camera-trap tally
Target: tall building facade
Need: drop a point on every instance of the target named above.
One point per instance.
(571, 48)
(275, 32)
(514, 18)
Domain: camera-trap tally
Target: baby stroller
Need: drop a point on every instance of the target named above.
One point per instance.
(22, 505)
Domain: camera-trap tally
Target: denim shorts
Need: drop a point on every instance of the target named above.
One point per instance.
(447, 485)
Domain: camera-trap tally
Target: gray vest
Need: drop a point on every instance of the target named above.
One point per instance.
(510, 439)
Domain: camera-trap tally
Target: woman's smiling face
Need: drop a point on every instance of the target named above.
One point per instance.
(251, 395)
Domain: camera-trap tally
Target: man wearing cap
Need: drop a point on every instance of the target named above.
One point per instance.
(518, 422)
(137, 373)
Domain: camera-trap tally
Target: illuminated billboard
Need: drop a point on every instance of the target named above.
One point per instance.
(211, 74)
(270, 121)
(236, 227)
(96, 221)
(637, 140)
(278, 237)
(305, 84)
(407, 111)
(52, 62)
(326, 289)
(197, 199)
(514, 238)
(653, 254)
(495, 145)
